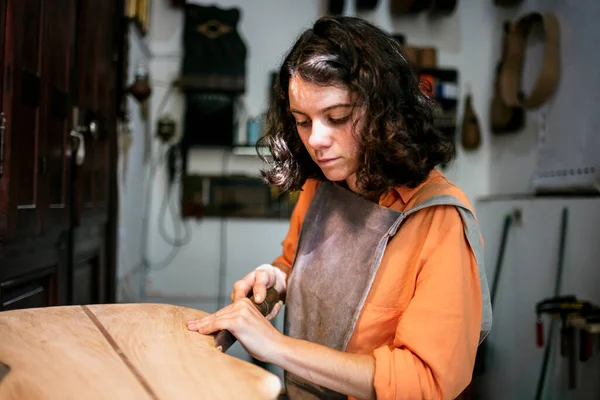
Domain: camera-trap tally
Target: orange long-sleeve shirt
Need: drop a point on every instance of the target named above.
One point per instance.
(421, 320)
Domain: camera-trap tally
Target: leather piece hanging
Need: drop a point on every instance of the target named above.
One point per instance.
(403, 7)
(512, 68)
(471, 134)
(335, 7)
(366, 5)
(504, 118)
(214, 52)
(507, 3)
(442, 8)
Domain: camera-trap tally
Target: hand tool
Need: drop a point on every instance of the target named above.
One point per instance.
(557, 284)
(482, 351)
(589, 325)
(225, 339)
(566, 308)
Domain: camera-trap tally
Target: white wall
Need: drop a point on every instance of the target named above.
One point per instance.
(528, 276)
(222, 251)
(194, 272)
(269, 27)
(132, 182)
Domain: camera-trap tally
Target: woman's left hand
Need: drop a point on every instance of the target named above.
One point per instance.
(258, 336)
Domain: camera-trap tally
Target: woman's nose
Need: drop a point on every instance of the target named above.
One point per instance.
(320, 136)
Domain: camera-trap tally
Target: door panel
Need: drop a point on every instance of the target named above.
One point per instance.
(86, 278)
(37, 290)
(58, 39)
(5, 30)
(95, 115)
(23, 212)
(54, 213)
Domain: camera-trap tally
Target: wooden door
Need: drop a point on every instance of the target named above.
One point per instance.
(36, 97)
(58, 80)
(4, 29)
(34, 215)
(23, 86)
(58, 38)
(95, 121)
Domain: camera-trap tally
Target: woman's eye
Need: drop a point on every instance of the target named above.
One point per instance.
(339, 121)
(302, 123)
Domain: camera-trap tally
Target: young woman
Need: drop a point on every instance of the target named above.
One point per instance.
(382, 269)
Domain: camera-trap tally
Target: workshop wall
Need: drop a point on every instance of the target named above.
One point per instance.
(269, 27)
(132, 181)
(221, 251)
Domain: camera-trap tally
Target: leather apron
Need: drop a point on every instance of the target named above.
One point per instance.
(340, 248)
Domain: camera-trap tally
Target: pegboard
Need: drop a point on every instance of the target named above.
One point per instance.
(568, 156)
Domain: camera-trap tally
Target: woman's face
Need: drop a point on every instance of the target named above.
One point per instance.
(324, 120)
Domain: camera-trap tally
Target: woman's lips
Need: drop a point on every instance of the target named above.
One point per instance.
(327, 161)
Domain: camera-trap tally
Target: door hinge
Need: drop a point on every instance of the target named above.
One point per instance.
(2, 130)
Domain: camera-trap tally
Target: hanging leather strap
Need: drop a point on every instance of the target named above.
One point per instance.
(366, 5)
(507, 3)
(547, 80)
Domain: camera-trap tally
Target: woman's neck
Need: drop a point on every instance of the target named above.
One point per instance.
(350, 183)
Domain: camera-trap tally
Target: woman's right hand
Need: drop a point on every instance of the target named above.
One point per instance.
(258, 281)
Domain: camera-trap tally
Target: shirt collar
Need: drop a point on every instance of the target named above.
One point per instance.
(404, 193)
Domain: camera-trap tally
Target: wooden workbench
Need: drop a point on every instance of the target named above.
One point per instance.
(120, 351)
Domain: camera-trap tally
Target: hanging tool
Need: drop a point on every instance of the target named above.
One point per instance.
(557, 284)
(588, 324)
(480, 359)
(565, 308)
(225, 339)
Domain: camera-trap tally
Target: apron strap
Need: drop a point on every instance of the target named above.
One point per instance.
(473, 235)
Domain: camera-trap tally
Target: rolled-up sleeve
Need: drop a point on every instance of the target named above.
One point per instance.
(436, 339)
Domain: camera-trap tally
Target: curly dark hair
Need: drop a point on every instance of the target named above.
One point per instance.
(398, 142)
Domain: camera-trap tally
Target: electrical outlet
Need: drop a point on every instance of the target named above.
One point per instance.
(517, 216)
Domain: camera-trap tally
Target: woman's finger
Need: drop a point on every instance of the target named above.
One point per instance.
(195, 323)
(242, 287)
(241, 308)
(275, 310)
(230, 323)
(261, 282)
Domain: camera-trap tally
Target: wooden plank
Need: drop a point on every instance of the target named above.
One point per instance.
(58, 353)
(177, 363)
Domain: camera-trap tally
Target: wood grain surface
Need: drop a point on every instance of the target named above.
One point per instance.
(120, 351)
(58, 353)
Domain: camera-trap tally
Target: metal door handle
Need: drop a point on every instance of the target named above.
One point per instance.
(92, 129)
(80, 151)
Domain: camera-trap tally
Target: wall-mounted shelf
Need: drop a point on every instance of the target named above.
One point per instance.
(249, 150)
(237, 150)
(444, 90)
(234, 196)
